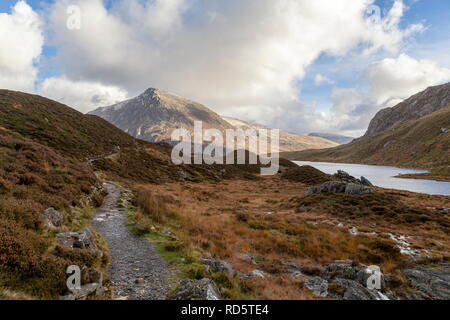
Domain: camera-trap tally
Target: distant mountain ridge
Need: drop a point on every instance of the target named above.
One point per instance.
(288, 141)
(154, 115)
(417, 106)
(333, 137)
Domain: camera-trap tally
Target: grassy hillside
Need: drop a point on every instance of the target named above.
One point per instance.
(420, 143)
(34, 177)
(72, 134)
(58, 126)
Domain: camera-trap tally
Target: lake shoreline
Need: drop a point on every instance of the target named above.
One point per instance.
(390, 177)
(425, 176)
(430, 176)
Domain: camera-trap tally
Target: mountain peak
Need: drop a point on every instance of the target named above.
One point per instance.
(154, 115)
(154, 91)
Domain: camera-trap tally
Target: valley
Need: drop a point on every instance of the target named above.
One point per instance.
(163, 231)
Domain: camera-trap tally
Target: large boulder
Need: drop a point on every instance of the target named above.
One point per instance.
(358, 189)
(82, 239)
(330, 186)
(341, 187)
(364, 181)
(85, 240)
(345, 177)
(204, 289)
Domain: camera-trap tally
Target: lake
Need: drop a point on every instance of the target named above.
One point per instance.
(384, 177)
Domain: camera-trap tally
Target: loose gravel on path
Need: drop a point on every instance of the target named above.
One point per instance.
(137, 271)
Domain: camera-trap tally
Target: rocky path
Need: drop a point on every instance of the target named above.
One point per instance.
(137, 271)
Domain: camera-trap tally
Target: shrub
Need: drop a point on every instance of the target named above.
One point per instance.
(26, 212)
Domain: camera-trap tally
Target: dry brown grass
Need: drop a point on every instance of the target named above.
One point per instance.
(263, 218)
(307, 175)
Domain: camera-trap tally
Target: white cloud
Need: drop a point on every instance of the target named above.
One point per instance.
(393, 80)
(21, 45)
(390, 82)
(387, 34)
(320, 79)
(81, 95)
(346, 100)
(230, 55)
(239, 57)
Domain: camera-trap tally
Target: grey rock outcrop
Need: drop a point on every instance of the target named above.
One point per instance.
(204, 289)
(83, 239)
(357, 189)
(346, 177)
(366, 182)
(341, 187)
(218, 266)
(54, 217)
(345, 280)
(431, 282)
(317, 286)
(341, 269)
(356, 291)
(248, 257)
(364, 274)
(84, 292)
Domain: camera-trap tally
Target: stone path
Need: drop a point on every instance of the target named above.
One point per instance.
(137, 271)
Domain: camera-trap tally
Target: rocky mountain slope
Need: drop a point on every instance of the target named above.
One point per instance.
(153, 116)
(340, 139)
(422, 143)
(417, 106)
(400, 138)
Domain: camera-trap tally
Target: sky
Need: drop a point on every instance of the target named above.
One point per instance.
(298, 65)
